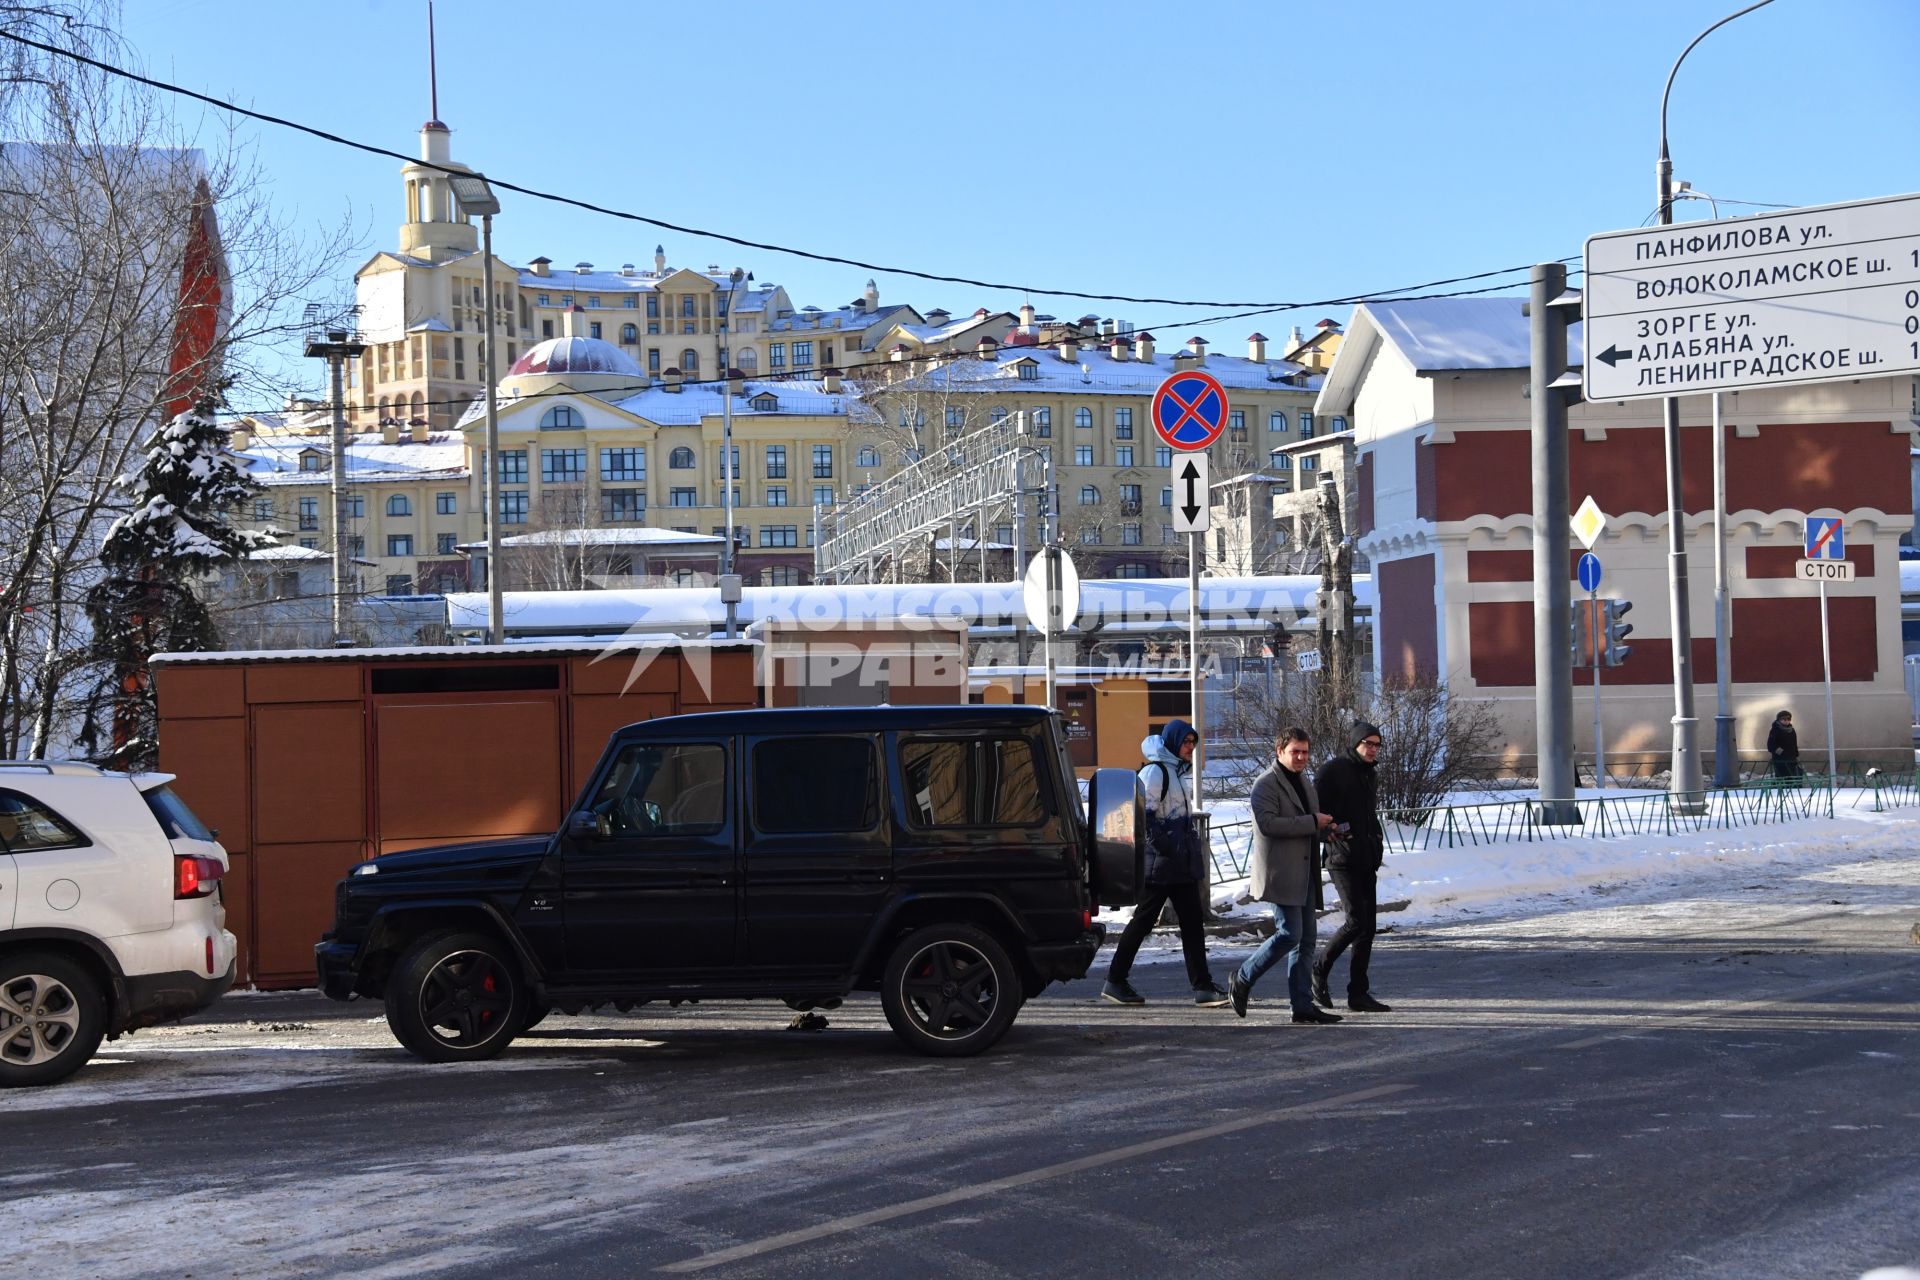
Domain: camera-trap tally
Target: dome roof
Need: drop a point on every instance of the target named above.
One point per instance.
(575, 355)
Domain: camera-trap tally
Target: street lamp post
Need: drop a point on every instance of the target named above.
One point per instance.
(1686, 784)
(475, 196)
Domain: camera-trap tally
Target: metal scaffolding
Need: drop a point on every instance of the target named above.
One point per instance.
(964, 478)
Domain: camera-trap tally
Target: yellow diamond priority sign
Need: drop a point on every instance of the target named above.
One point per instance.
(1589, 522)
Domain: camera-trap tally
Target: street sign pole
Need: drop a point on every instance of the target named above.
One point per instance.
(1598, 629)
(1193, 660)
(1189, 411)
(1826, 671)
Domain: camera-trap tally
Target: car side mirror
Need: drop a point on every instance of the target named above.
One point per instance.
(587, 825)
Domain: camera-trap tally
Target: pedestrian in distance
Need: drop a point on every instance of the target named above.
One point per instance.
(1174, 868)
(1349, 789)
(1285, 871)
(1783, 746)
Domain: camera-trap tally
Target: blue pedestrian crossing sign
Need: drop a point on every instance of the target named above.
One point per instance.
(1826, 538)
(1589, 572)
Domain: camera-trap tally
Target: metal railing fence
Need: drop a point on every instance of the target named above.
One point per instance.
(1517, 821)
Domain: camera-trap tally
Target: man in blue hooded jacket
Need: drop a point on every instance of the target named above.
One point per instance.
(1174, 867)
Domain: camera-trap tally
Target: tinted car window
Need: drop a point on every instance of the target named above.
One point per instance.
(26, 826)
(815, 785)
(666, 790)
(974, 782)
(178, 821)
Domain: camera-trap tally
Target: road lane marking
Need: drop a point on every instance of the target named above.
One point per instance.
(1719, 1009)
(978, 1190)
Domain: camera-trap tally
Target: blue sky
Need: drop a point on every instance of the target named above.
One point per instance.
(1214, 152)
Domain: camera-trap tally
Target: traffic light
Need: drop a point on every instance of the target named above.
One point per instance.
(1615, 649)
(1586, 627)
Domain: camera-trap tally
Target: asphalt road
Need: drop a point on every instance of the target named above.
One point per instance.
(1702, 1089)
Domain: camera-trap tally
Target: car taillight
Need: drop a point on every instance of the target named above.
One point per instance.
(1086, 919)
(194, 876)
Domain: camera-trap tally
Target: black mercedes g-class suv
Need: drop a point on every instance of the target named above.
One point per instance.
(939, 855)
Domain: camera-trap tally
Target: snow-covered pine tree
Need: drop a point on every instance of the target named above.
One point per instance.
(178, 528)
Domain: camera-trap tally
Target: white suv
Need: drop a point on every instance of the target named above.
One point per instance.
(110, 913)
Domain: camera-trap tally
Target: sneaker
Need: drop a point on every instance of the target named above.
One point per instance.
(1238, 991)
(1321, 996)
(1120, 991)
(1311, 1014)
(1365, 1003)
(1210, 996)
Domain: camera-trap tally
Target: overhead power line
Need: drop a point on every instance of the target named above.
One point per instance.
(883, 362)
(705, 233)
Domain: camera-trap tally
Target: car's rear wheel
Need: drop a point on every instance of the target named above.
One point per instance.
(456, 997)
(52, 1017)
(950, 990)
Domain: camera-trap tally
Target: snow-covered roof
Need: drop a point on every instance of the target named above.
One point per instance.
(688, 405)
(275, 459)
(1110, 604)
(575, 355)
(1447, 334)
(432, 652)
(577, 282)
(431, 325)
(842, 319)
(1097, 373)
(288, 553)
(644, 536)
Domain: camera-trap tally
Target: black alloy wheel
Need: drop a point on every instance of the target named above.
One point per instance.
(950, 990)
(456, 997)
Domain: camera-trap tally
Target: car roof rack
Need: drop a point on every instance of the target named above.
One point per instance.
(73, 768)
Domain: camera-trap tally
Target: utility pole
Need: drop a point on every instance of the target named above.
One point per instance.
(1551, 310)
(730, 582)
(1336, 598)
(336, 348)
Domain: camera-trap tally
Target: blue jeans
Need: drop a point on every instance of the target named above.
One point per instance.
(1293, 937)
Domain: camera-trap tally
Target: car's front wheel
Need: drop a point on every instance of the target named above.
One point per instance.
(52, 1017)
(456, 997)
(950, 990)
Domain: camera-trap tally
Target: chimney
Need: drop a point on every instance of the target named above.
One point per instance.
(872, 297)
(1116, 347)
(1293, 343)
(736, 383)
(417, 433)
(542, 267)
(987, 348)
(1197, 347)
(1108, 328)
(583, 268)
(1328, 324)
(1026, 316)
(239, 439)
(830, 381)
(1070, 347)
(390, 433)
(1257, 347)
(939, 316)
(670, 379)
(576, 321)
(626, 269)
(1143, 347)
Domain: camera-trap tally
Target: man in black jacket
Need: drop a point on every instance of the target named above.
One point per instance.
(1349, 791)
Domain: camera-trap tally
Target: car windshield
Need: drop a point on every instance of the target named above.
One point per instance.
(175, 818)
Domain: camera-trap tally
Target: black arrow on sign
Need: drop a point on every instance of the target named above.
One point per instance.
(1192, 505)
(1613, 355)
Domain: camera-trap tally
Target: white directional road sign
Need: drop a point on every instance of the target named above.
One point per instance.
(1189, 480)
(1819, 294)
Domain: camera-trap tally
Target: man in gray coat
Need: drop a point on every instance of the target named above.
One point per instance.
(1285, 871)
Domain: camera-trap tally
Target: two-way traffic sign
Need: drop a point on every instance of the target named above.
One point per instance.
(1189, 481)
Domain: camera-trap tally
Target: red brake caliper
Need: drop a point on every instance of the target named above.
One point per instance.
(486, 984)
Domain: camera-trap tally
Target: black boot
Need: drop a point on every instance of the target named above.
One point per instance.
(1320, 995)
(1311, 1014)
(1365, 1003)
